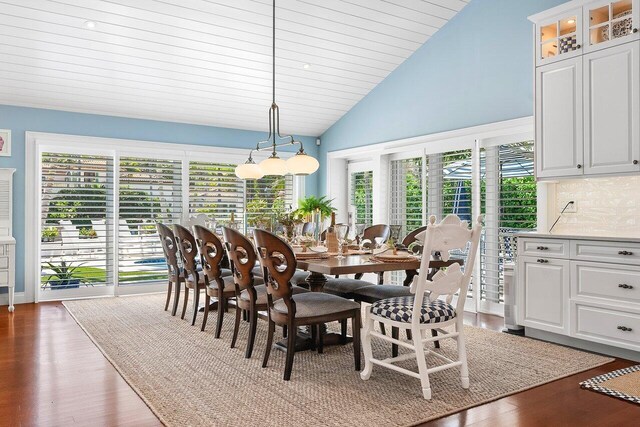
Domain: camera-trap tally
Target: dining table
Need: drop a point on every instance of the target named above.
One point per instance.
(353, 263)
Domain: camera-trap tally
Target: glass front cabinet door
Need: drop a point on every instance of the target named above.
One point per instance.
(559, 37)
(608, 23)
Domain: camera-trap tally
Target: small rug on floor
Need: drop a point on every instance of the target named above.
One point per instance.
(188, 378)
(623, 384)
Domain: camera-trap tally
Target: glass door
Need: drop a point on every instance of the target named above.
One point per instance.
(559, 38)
(609, 23)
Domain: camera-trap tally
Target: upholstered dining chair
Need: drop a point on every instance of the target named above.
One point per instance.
(174, 272)
(430, 306)
(287, 309)
(212, 253)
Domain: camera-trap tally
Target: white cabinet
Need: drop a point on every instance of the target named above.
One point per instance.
(559, 37)
(609, 23)
(559, 140)
(611, 110)
(544, 284)
(591, 293)
(7, 242)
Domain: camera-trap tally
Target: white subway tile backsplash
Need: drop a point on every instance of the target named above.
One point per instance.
(606, 206)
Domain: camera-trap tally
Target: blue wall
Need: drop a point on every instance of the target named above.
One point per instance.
(20, 120)
(477, 69)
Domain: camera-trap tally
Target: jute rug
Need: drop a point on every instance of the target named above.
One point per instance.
(623, 384)
(189, 378)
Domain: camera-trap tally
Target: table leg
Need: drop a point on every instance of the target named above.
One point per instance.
(11, 297)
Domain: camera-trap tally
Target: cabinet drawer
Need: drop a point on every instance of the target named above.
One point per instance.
(544, 247)
(4, 278)
(4, 262)
(619, 284)
(612, 252)
(606, 325)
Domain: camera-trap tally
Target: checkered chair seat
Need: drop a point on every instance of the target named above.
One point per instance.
(401, 310)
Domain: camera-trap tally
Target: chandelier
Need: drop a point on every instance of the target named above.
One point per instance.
(299, 164)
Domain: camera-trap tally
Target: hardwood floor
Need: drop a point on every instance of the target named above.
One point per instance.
(51, 374)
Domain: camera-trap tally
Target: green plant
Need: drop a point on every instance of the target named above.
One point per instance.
(309, 205)
(258, 214)
(289, 221)
(88, 233)
(64, 271)
(49, 234)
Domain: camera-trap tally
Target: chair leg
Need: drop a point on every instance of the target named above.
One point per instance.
(422, 364)
(395, 333)
(343, 331)
(284, 331)
(366, 346)
(176, 298)
(356, 325)
(408, 331)
(267, 351)
(358, 276)
(462, 355)
(236, 327)
(434, 333)
(196, 302)
(186, 300)
(169, 288)
(253, 325)
(207, 301)
(220, 315)
(291, 350)
(320, 339)
(380, 278)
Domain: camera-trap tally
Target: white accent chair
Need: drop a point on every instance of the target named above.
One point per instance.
(424, 311)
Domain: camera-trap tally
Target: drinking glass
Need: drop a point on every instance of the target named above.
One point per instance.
(341, 234)
(360, 233)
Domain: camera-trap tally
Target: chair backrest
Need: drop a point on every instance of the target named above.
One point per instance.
(277, 258)
(188, 251)
(450, 234)
(242, 256)
(381, 231)
(211, 254)
(169, 247)
(411, 238)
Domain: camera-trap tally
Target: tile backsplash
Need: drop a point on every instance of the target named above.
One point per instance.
(605, 206)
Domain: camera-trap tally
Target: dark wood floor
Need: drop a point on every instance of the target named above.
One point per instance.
(51, 374)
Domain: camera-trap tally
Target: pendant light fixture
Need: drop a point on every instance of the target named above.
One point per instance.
(300, 164)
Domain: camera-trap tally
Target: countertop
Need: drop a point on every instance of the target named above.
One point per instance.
(578, 237)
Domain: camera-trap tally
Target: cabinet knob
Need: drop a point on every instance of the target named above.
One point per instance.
(635, 162)
(578, 46)
(542, 261)
(635, 30)
(625, 286)
(625, 253)
(624, 329)
(542, 248)
(579, 166)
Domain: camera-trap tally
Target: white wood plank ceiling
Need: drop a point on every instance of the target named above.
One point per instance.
(208, 61)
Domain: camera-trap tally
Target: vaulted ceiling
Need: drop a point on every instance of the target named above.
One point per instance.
(208, 61)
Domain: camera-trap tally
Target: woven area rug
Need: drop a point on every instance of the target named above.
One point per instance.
(623, 384)
(189, 378)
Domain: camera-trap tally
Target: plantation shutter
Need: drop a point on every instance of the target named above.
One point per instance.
(362, 197)
(150, 192)
(510, 207)
(215, 190)
(267, 198)
(406, 194)
(76, 220)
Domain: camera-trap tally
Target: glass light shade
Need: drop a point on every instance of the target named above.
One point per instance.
(274, 166)
(302, 164)
(249, 171)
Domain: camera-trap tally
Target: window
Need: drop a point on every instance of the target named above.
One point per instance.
(510, 206)
(267, 198)
(407, 194)
(449, 184)
(150, 192)
(76, 217)
(362, 197)
(215, 191)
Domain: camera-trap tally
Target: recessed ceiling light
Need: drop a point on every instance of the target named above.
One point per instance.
(90, 24)
(306, 66)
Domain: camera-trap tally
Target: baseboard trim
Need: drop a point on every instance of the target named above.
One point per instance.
(593, 347)
(19, 298)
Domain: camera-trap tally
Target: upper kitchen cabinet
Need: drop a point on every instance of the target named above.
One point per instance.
(559, 36)
(609, 23)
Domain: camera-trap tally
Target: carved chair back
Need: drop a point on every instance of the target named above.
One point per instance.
(188, 251)
(211, 252)
(242, 256)
(169, 248)
(450, 234)
(411, 238)
(277, 258)
(379, 231)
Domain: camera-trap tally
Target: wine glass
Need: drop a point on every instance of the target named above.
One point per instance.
(341, 233)
(360, 233)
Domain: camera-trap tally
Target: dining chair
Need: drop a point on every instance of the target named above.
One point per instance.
(430, 306)
(174, 272)
(215, 284)
(381, 232)
(309, 308)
